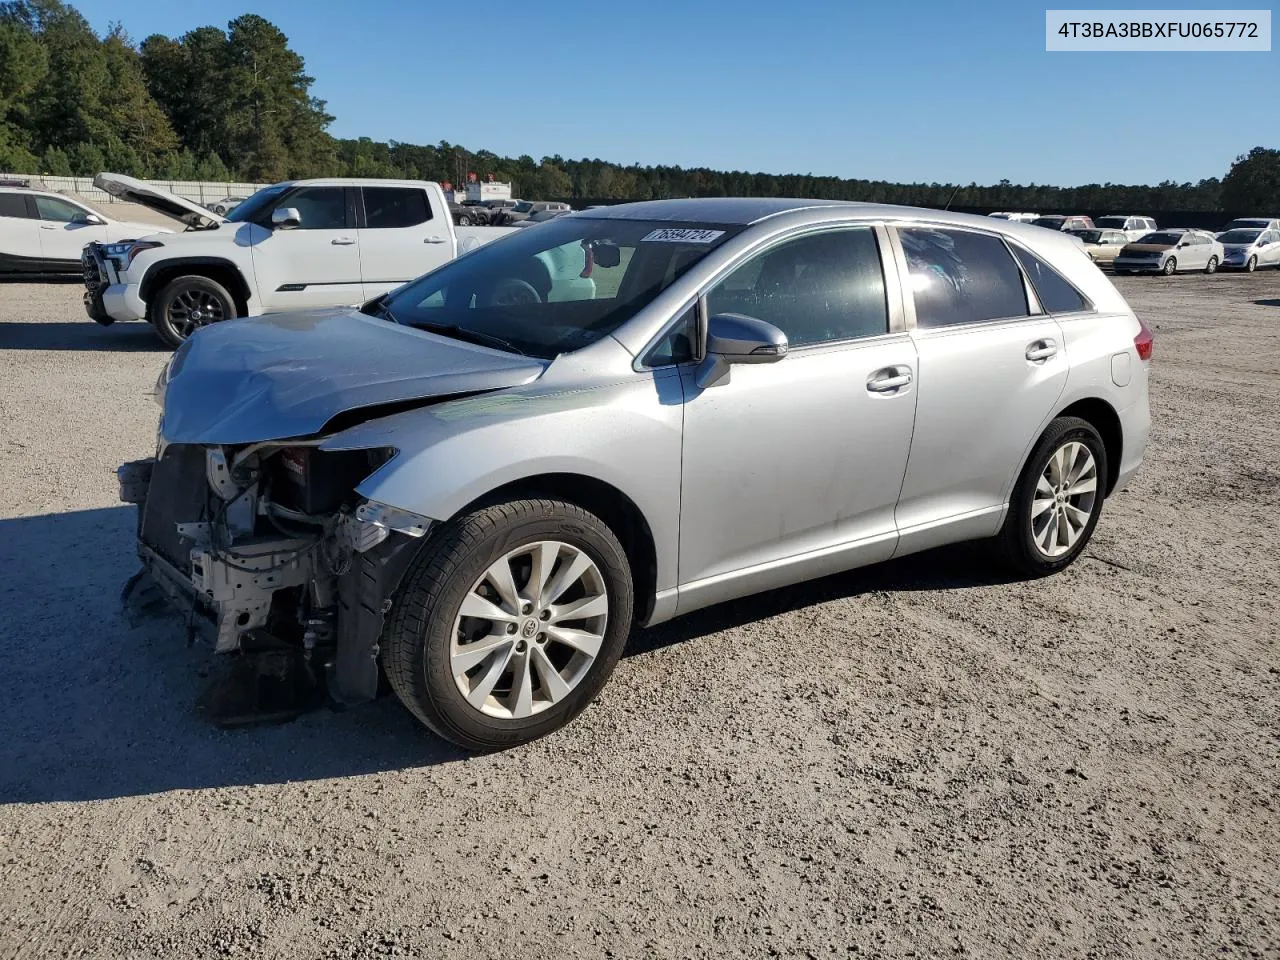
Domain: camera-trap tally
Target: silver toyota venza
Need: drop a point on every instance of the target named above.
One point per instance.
(477, 484)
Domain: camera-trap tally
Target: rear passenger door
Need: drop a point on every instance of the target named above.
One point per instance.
(401, 237)
(19, 235)
(992, 368)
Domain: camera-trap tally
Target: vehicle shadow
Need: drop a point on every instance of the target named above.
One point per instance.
(85, 335)
(91, 708)
(1268, 303)
(945, 568)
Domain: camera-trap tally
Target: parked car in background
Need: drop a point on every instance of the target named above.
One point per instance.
(1015, 217)
(1247, 248)
(225, 205)
(296, 245)
(470, 213)
(1134, 228)
(1056, 222)
(476, 485)
(540, 216)
(554, 206)
(1102, 246)
(1256, 223)
(45, 233)
(503, 212)
(1171, 251)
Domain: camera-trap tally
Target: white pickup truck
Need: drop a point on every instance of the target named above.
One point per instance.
(297, 245)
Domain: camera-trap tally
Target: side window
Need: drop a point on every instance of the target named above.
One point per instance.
(678, 346)
(51, 208)
(13, 205)
(395, 207)
(1056, 295)
(322, 208)
(961, 277)
(815, 289)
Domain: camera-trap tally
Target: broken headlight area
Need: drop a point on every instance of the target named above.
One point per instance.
(269, 547)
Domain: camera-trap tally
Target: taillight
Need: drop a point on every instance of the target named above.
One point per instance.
(1144, 341)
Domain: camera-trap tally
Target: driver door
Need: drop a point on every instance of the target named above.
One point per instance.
(316, 263)
(63, 232)
(793, 469)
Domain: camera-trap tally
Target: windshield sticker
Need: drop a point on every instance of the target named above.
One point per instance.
(682, 235)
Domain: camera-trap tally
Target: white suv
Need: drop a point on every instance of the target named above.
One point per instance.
(1135, 228)
(43, 233)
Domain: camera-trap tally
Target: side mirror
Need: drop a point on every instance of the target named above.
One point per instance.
(88, 219)
(286, 218)
(736, 338)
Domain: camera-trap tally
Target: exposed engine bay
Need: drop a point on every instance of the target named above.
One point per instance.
(267, 547)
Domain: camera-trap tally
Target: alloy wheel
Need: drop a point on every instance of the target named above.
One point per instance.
(192, 309)
(1252, 265)
(1065, 498)
(1212, 265)
(529, 629)
(1170, 267)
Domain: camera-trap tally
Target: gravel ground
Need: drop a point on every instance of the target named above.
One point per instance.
(916, 760)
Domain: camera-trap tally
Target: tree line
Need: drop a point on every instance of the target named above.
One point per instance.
(236, 104)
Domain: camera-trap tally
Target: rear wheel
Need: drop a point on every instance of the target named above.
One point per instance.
(1057, 500)
(186, 304)
(1211, 266)
(1170, 266)
(464, 221)
(509, 623)
(1252, 265)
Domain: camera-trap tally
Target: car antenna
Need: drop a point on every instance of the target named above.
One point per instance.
(952, 197)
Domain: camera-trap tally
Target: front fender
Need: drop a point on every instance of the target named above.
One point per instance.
(627, 435)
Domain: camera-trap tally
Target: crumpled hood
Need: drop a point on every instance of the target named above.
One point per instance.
(287, 375)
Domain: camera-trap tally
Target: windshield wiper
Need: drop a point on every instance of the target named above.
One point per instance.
(472, 336)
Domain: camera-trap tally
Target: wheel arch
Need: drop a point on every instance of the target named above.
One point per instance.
(601, 498)
(214, 268)
(1104, 418)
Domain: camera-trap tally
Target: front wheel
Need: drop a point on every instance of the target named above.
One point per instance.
(509, 623)
(1211, 266)
(1170, 267)
(186, 304)
(1252, 265)
(1057, 500)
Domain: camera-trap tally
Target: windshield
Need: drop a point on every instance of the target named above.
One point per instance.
(1088, 236)
(524, 206)
(251, 208)
(1053, 223)
(1259, 224)
(1162, 239)
(1115, 223)
(556, 289)
(1239, 236)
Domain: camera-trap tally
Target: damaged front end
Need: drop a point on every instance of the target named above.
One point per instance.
(267, 547)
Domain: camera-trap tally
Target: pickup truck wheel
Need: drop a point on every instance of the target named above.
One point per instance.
(509, 622)
(186, 304)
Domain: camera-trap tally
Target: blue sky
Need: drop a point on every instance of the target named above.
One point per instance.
(902, 91)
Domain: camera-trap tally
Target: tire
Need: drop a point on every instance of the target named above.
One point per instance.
(1211, 266)
(421, 652)
(201, 300)
(464, 221)
(1252, 265)
(1170, 267)
(1022, 537)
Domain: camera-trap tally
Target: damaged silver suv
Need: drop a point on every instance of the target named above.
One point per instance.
(476, 484)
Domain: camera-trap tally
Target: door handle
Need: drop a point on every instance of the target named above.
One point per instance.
(434, 240)
(47, 226)
(1041, 350)
(342, 242)
(889, 380)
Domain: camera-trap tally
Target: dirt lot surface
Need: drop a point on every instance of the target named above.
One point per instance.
(918, 760)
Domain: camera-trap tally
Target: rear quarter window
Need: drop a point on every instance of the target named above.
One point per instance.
(961, 277)
(1055, 293)
(13, 205)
